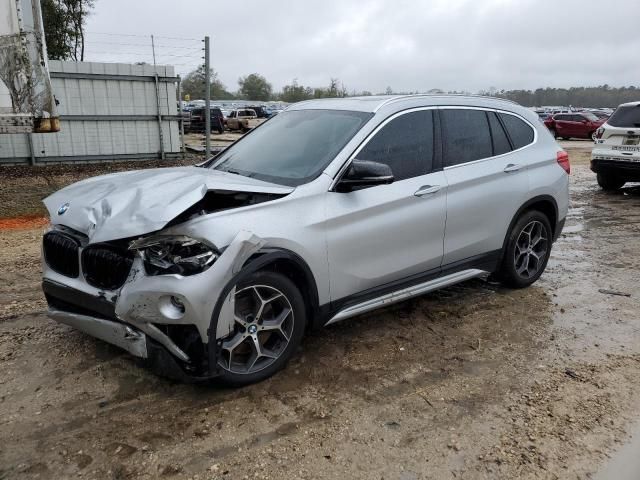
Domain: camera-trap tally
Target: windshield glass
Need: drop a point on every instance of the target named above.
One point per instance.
(626, 117)
(293, 147)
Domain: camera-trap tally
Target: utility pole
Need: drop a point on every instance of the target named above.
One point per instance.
(207, 101)
(157, 82)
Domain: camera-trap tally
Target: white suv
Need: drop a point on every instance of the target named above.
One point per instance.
(616, 155)
(328, 210)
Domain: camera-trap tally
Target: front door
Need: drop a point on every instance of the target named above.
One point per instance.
(387, 233)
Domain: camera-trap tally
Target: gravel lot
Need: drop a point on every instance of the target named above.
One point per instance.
(472, 382)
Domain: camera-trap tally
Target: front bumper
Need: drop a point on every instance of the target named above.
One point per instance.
(141, 318)
(95, 316)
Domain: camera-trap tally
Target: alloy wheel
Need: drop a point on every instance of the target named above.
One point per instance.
(264, 323)
(531, 249)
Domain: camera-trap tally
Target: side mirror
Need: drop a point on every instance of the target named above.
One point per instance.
(362, 174)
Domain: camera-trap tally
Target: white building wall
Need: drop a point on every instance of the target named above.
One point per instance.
(92, 97)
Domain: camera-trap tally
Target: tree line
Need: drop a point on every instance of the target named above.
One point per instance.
(256, 87)
(601, 96)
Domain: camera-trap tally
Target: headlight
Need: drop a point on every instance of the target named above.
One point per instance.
(174, 254)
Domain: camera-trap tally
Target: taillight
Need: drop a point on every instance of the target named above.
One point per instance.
(599, 132)
(563, 161)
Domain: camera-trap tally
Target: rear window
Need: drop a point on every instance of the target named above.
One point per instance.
(520, 133)
(625, 117)
(466, 137)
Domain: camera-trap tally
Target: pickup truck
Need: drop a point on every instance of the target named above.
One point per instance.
(573, 125)
(243, 120)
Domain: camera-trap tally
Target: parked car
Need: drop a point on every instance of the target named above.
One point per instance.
(573, 125)
(243, 119)
(198, 117)
(261, 111)
(331, 209)
(615, 158)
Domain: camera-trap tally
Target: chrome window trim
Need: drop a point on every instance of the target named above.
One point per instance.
(368, 138)
(371, 134)
(496, 110)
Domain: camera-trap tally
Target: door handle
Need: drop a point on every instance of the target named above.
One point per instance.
(512, 167)
(427, 190)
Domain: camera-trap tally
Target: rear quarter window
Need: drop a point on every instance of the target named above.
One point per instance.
(521, 134)
(625, 117)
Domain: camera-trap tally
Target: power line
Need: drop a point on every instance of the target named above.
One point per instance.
(91, 42)
(143, 36)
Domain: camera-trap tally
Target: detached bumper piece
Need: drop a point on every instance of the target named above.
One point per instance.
(118, 334)
(95, 316)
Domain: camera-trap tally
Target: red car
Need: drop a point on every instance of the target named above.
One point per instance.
(573, 125)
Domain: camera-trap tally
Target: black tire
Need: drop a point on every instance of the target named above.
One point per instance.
(609, 183)
(220, 130)
(516, 254)
(293, 297)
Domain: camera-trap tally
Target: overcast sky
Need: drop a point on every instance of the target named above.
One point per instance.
(413, 45)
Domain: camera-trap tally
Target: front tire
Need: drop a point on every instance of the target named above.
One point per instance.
(609, 183)
(527, 250)
(270, 321)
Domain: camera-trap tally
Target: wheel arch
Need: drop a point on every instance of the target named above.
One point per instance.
(293, 266)
(545, 204)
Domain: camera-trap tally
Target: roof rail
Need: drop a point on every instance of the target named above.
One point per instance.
(404, 97)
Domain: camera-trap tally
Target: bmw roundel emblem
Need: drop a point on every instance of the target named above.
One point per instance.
(63, 208)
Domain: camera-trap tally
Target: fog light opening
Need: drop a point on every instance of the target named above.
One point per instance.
(175, 301)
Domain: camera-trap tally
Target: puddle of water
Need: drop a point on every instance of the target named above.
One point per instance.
(625, 464)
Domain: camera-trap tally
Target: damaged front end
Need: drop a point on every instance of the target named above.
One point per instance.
(151, 293)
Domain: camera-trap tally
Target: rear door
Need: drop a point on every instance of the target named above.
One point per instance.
(487, 182)
(386, 233)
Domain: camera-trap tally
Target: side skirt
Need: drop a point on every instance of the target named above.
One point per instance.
(405, 293)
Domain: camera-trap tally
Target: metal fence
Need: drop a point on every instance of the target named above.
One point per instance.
(108, 111)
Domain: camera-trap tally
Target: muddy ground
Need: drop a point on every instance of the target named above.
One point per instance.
(472, 382)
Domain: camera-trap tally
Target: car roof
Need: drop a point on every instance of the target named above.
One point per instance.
(376, 102)
(630, 104)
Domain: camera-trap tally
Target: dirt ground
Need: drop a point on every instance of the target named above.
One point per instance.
(472, 382)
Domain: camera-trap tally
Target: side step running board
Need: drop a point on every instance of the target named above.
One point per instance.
(404, 294)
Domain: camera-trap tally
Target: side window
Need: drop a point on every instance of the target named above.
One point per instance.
(520, 133)
(405, 144)
(500, 140)
(466, 136)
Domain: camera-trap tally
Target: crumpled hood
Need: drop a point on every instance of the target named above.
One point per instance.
(127, 204)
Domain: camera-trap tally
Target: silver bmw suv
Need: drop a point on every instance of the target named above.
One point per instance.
(330, 209)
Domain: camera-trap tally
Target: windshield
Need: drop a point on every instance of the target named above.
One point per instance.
(625, 117)
(293, 147)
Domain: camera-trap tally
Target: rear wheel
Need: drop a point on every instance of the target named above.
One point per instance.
(609, 182)
(269, 324)
(527, 251)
